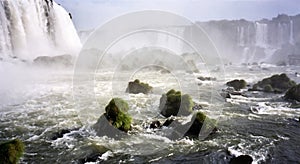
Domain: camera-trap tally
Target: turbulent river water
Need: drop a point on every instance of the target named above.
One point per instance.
(258, 124)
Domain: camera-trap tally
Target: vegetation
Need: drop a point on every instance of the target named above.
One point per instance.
(136, 87)
(116, 114)
(11, 151)
(174, 103)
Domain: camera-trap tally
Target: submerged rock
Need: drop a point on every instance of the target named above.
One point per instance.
(91, 153)
(116, 116)
(11, 151)
(242, 159)
(173, 103)
(276, 83)
(237, 84)
(61, 60)
(136, 87)
(207, 78)
(293, 93)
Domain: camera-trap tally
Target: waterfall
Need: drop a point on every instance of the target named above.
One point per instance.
(291, 32)
(241, 36)
(33, 28)
(261, 35)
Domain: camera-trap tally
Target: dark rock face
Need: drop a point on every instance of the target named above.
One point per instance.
(11, 151)
(115, 119)
(242, 159)
(136, 87)
(173, 103)
(276, 83)
(62, 60)
(237, 84)
(293, 93)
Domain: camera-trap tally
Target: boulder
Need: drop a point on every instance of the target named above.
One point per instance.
(237, 84)
(114, 119)
(207, 78)
(276, 83)
(11, 151)
(196, 126)
(61, 60)
(136, 87)
(174, 103)
(293, 93)
(242, 159)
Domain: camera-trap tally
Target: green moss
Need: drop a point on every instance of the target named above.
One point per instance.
(11, 151)
(116, 113)
(173, 103)
(136, 87)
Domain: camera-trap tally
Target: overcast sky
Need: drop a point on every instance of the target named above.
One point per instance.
(88, 14)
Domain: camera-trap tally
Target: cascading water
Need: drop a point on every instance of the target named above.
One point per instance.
(291, 32)
(35, 27)
(261, 35)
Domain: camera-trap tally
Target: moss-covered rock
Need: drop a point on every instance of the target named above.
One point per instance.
(115, 116)
(276, 83)
(293, 93)
(237, 84)
(11, 151)
(174, 103)
(136, 87)
(196, 126)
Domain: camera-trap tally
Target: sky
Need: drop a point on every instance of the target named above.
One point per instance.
(89, 14)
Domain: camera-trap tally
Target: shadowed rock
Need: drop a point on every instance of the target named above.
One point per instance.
(293, 93)
(242, 159)
(237, 84)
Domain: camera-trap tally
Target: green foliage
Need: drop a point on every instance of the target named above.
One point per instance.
(116, 113)
(11, 151)
(173, 103)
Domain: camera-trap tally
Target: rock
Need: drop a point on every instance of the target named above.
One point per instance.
(173, 103)
(62, 60)
(207, 78)
(276, 83)
(196, 126)
(61, 133)
(11, 151)
(293, 93)
(155, 125)
(242, 159)
(168, 122)
(237, 84)
(136, 87)
(115, 116)
(91, 153)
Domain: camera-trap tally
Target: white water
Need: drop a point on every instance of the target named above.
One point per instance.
(35, 27)
(261, 35)
(291, 32)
